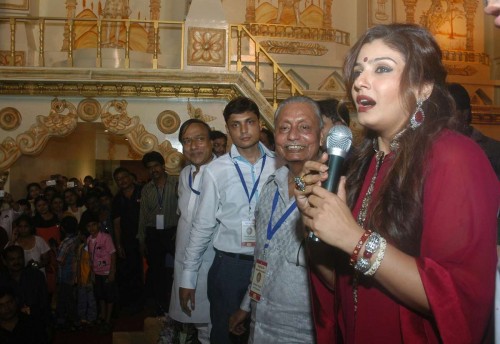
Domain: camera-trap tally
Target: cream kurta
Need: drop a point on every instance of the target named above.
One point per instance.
(188, 201)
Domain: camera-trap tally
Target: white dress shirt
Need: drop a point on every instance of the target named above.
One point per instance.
(224, 205)
(187, 204)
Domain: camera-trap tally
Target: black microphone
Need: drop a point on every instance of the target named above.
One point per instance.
(338, 144)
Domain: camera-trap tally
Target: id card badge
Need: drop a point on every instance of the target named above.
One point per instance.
(248, 233)
(259, 275)
(159, 221)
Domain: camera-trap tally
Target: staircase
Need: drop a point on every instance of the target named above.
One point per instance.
(88, 70)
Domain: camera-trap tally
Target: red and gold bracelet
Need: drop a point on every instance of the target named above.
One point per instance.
(357, 248)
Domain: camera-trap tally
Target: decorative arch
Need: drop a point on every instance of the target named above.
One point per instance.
(63, 119)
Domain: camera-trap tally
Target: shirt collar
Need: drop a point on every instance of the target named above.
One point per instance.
(192, 168)
(235, 154)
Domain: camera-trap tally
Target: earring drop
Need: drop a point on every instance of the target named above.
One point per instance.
(418, 116)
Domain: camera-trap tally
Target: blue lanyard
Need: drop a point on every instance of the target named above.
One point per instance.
(271, 230)
(191, 184)
(250, 196)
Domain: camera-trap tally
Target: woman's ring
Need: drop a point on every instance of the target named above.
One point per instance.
(300, 184)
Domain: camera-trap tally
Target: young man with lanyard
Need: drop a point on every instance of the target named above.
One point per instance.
(225, 216)
(194, 135)
(157, 226)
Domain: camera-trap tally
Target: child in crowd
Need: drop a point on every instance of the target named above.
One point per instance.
(103, 257)
(24, 206)
(86, 306)
(66, 301)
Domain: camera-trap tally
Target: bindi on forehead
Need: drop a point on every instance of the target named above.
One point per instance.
(365, 59)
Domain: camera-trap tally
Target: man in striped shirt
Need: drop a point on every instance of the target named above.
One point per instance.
(157, 227)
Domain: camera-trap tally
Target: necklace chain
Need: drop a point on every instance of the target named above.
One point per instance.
(394, 146)
(361, 221)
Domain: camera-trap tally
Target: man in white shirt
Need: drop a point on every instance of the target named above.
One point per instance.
(225, 216)
(194, 135)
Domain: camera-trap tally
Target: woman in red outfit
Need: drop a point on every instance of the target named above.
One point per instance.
(413, 227)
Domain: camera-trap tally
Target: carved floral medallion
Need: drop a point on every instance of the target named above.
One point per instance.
(206, 47)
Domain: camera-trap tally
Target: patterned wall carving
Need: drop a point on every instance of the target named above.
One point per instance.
(290, 12)
(113, 34)
(197, 113)
(294, 48)
(206, 47)
(462, 70)
(168, 122)
(89, 110)
(294, 19)
(381, 12)
(63, 119)
(10, 118)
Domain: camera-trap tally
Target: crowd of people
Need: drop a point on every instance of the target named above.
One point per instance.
(58, 253)
(403, 252)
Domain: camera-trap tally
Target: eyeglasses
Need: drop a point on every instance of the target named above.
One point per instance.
(197, 140)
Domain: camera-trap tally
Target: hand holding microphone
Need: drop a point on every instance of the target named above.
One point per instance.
(338, 144)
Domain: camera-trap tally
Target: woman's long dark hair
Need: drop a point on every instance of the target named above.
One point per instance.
(396, 212)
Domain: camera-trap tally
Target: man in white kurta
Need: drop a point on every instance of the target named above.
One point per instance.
(197, 148)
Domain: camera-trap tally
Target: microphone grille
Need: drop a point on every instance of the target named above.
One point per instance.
(339, 137)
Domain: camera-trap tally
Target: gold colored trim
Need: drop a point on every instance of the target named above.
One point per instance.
(118, 88)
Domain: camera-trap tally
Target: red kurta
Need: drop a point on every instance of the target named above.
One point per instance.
(457, 259)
